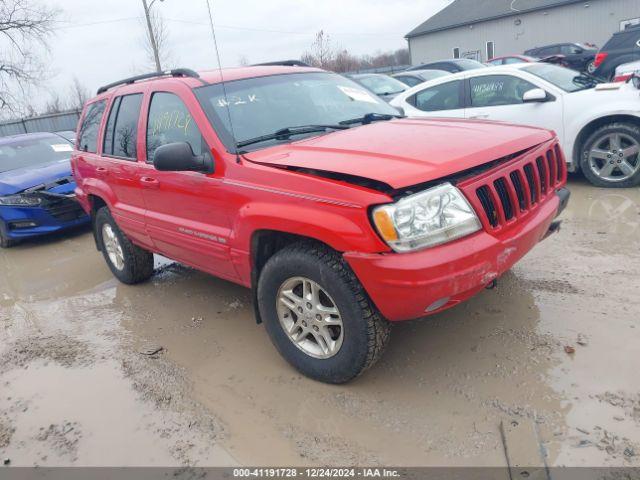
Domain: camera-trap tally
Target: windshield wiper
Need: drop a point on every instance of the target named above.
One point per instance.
(287, 132)
(586, 80)
(370, 117)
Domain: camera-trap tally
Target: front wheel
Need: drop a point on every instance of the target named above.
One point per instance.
(591, 67)
(318, 315)
(129, 263)
(611, 156)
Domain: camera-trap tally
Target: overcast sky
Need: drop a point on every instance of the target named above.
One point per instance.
(99, 41)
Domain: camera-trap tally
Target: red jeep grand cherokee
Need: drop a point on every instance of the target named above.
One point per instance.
(300, 184)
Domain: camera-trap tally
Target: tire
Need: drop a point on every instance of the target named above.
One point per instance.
(5, 241)
(137, 263)
(590, 67)
(600, 149)
(363, 333)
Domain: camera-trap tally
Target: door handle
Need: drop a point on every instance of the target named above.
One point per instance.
(102, 171)
(480, 115)
(150, 182)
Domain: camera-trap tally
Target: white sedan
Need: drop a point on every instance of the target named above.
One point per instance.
(598, 124)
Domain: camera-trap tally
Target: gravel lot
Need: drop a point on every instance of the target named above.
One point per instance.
(554, 350)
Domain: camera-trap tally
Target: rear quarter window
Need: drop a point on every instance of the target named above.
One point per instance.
(445, 96)
(88, 132)
(624, 40)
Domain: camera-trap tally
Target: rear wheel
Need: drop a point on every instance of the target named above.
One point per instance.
(611, 156)
(318, 315)
(591, 67)
(129, 263)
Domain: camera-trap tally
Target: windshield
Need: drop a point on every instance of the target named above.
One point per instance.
(381, 84)
(263, 105)
(31, 152)
(564, 78)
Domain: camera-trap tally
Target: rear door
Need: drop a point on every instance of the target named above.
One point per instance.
(499, 97)
(187, 216)
(120, 165)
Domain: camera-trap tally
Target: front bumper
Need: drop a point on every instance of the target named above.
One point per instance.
(412, 285)
(25, 222)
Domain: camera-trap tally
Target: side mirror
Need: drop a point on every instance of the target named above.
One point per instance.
(400, 111)
(179, 157)
(535, 95)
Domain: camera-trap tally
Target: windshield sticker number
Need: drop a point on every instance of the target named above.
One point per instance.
(357, 94)
(235, 100)
(62, 147)
(493, 87)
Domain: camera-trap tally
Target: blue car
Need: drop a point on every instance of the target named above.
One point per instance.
(36, 187)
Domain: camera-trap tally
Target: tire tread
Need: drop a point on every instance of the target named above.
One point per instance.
(140, 261)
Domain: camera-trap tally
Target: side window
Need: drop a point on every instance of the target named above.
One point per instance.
(494, 90)
(121, 133)
(545, 52)
(88, 133)
(441, 66)
(498, 61)
(169, 121)
(569, 49)
(445, 96)
(411, 81)
(512, 60)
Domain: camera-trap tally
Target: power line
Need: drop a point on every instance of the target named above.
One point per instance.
(100, 22)
(226, 27)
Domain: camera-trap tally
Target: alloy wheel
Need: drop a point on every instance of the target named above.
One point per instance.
(614, 157)
(310, 317)
(112, 246)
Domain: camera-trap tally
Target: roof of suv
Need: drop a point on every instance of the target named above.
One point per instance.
(216, 76)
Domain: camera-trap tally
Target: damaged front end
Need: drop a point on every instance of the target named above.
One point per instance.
(41, 209)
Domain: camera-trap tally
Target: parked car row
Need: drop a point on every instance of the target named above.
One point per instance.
(598, 124)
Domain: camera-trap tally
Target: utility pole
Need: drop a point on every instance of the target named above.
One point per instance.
(152, 37)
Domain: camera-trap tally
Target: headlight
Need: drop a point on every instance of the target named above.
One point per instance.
(437, 215)
(20, 200)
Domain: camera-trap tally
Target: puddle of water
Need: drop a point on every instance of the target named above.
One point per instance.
(436, 398)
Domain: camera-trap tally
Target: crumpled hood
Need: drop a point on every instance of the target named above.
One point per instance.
(15, 181)
(405, 152)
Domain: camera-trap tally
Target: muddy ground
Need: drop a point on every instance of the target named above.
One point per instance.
(555, 348)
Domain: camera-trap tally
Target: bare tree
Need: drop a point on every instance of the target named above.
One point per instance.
(160, 40)
(321, 54)
(25, 26)
(55, 104)
(78, 94)
(345, 62)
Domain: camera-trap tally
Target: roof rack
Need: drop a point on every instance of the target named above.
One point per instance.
(176, 72)
(283, 63)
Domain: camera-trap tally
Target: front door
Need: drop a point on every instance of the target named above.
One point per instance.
(499, 97)
(186, 212)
